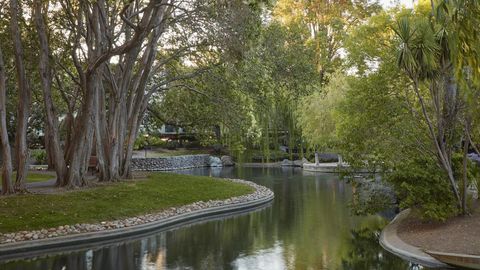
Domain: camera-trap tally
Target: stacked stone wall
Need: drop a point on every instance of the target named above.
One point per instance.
(170, 163)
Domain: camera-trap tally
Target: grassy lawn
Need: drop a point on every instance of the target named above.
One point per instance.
(35, 177)
(115, 201)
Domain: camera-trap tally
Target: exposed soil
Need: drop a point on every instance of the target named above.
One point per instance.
(457, 235)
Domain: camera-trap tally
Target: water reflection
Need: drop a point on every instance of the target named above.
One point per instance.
(309, 226)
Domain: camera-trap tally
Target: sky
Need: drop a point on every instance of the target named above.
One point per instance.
(391, 3)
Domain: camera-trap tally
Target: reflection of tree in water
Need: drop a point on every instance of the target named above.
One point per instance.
(364, 253)
(215, 245)
(308, 227)
(129, 255)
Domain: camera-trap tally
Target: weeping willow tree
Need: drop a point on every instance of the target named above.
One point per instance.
(292, 57)
(318, 113)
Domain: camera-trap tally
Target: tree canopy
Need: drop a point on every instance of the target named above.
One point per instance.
(393, 90)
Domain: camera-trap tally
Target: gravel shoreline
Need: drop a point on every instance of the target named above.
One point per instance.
(21, 236)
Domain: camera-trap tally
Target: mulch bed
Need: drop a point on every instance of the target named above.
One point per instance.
(457, 235)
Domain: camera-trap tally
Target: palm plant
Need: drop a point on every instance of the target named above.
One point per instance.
(425, 56)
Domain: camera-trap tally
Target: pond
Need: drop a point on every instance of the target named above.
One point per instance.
(308, 226)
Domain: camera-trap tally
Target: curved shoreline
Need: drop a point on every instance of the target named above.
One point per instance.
(165, 220)
(390, 241)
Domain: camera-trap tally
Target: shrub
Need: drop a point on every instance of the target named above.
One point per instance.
(39, 155)
(171, 145)
(192, 144)
(423, 186)
(142, 141)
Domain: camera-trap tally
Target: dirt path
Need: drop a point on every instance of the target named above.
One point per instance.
(457, 235)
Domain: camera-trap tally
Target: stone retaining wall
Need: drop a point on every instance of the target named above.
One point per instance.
(170, 163)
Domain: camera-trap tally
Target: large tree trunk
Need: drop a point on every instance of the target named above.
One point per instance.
(48, 149)
(138, 100)
(7, 187)
(53, 137)
(82, 140)
(24, 95)
(92, 122)
(101, 137)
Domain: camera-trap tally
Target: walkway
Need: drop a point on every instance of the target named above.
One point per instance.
(391, 242)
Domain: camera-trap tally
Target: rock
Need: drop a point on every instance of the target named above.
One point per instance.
(298, 163)
(227, 161)
(215, 162)
(287, 163)
(170, 163)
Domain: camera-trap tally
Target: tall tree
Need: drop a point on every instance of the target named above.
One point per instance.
(52, 138)
(7, 186)
(325, 24)
(24, 94)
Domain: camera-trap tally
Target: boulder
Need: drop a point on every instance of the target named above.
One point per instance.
(215, 162)
(287, 163)
(299, 163)
(227, 161)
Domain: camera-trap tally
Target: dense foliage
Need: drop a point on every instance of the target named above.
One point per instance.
(395, 91)
(407, 110)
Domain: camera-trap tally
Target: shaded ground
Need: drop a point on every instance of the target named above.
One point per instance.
(457, 235)
(41, 181)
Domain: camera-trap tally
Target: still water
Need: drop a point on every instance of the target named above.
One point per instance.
(308, 226)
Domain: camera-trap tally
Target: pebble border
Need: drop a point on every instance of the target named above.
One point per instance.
(23, 237)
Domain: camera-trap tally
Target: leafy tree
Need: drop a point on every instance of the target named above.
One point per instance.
(318, 113)
(429, 55)
(324, 25)
(412, 124)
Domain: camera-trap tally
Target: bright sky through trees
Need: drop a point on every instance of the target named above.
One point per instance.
(391, 3)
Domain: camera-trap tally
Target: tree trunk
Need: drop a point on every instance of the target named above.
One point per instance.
(7, 187)
(82, 140)
(466, 145)
(101, 136)
(53, 136)
(24, 95)
(138, 100)
(444, 159)
(48, 149)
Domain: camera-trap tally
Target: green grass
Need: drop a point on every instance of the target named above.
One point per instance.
(110, 202)
(36, 177)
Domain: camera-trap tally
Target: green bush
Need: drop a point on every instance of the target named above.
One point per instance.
(255, 155)
(172, 145)
(423, 186)
(39, 155)
(142, 141)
